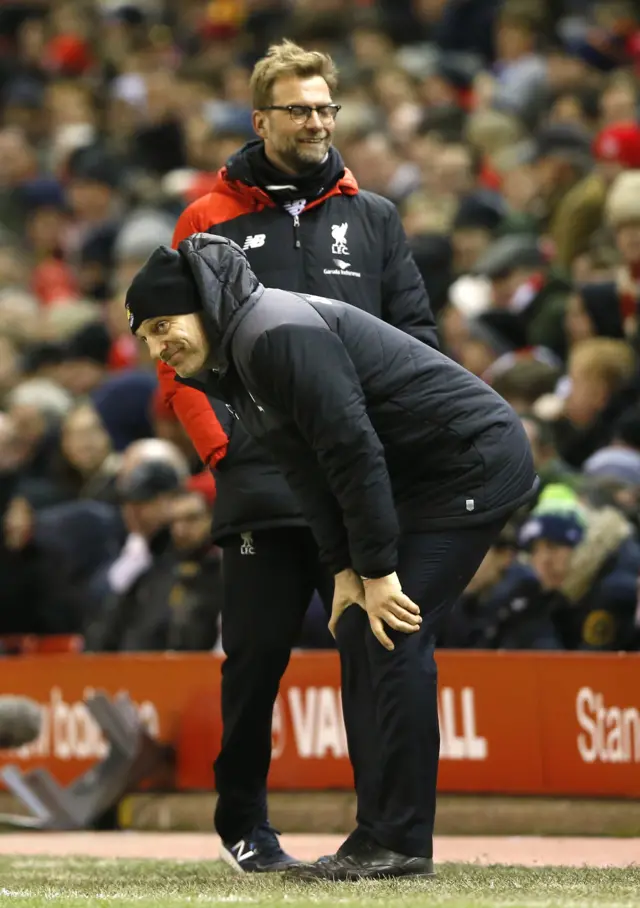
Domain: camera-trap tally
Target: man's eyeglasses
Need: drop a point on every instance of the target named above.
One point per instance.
(301, 113)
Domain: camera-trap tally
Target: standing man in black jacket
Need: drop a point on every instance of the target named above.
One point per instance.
(406, 467)
(288, 201)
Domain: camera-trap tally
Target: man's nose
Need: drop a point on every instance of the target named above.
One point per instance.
(314, 121)
(155, 348)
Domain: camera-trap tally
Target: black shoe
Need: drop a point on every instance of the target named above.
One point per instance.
(352, 844)
(257, 852)
(372, 863)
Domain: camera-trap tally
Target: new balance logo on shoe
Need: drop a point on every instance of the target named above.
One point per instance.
(259, 852)
(241, 852)
(254, 242)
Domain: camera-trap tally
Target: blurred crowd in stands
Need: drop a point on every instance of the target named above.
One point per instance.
(507, 132)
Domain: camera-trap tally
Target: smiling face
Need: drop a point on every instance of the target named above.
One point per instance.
(293, 145)
(178, 340)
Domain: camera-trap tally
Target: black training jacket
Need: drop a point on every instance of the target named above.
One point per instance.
(347, 244)
(375, 431)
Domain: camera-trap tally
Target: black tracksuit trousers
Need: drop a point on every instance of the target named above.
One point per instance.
(389, 698)
(268, 584)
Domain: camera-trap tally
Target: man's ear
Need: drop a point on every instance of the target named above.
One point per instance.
(259, 121)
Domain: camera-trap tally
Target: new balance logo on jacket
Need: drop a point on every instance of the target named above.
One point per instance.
(254, 242)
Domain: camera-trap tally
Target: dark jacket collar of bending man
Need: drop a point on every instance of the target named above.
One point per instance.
(376, 432)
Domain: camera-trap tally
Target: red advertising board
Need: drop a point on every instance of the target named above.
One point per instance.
(512, 723)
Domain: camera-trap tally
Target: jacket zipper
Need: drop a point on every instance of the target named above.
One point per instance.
(296, 225)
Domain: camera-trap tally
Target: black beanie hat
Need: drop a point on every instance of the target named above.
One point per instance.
(603, 307)
(92, 342)
(163, 286)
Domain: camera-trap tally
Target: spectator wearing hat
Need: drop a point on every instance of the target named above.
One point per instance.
(500, 608)
(550, 537)
(84, 359)
(597, 588)
(523, 283)
(617, 148)
(475, 221)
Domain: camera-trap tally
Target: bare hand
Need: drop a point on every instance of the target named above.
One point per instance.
(387, 604)
(348, 590)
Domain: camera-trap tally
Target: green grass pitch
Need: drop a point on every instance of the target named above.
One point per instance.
(28, 882)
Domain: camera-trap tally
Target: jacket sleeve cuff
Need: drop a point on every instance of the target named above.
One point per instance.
(376, 571)
(338, 563)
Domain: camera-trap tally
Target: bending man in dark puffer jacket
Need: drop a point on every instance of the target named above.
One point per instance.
(406, 467)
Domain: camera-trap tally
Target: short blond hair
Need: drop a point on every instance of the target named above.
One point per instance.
(288, 59)
(610, 360)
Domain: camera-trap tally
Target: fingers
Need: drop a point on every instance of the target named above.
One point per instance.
(397, 624)
(407, 604)
(399, 611)
(378, 629)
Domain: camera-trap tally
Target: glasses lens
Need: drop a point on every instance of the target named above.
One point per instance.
(300, 114)
(328, 113)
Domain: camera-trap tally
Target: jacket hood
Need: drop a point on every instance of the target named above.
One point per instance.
(226, 285)
(607, 530)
